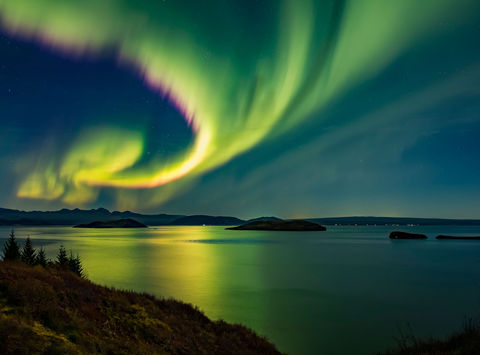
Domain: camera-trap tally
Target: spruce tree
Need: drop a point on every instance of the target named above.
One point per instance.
(11, 250)
(62, 258)
(28, 253)
(75, 264)
(71, 262)
(41, 259)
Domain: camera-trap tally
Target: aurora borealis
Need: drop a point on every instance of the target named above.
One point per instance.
(374, 99)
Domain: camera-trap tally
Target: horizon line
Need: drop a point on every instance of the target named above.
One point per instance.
(217, 215)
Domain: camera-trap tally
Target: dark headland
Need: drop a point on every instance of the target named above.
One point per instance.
(294, 225)
(53, 311)
(405, 235)
(119, 223)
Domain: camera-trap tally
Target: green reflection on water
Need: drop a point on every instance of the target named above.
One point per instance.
(307, 292)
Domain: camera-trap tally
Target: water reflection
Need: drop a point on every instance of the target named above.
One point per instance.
(305, 291)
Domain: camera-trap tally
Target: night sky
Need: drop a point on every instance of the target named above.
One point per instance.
(245, 108)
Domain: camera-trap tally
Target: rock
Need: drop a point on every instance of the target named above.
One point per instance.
(405, 235)
(457, 238)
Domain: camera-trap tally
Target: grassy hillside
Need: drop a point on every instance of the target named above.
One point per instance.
(466, 341)
(54, 311)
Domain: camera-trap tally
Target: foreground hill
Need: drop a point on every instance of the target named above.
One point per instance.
(54, 311)
(119, 223)
(295, 225)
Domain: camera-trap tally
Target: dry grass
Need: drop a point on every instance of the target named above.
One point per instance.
(53, 311)
(466, 341)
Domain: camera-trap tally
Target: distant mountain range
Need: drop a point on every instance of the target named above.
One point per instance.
(76, 216)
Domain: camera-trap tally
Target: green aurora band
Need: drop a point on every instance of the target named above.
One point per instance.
(237, 77)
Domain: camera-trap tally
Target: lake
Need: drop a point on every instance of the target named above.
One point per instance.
(347, 290)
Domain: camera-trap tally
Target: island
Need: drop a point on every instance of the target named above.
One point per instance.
(274, 225)
(119, 223)
(406, 235)
(457, 238)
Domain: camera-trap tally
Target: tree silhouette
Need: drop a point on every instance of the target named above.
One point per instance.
(11, 250)
(75, 264)
(41, 259)
(28, 253)
(62, 258)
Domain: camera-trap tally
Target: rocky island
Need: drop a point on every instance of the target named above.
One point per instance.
(406, 235)
(457, 238)
(119, 223)
(280, 225)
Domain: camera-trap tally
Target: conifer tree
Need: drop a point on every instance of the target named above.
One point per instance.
(75, 264)
(62, 258)
(11, 250)
(71, 262)
(41, 259)
(79, 267)
(28, 253)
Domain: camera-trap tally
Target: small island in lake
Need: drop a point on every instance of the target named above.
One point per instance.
(457, 238)
(406, 235)
(294, 225)
(119, 223)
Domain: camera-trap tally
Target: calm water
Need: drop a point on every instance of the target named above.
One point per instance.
(345, 290)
